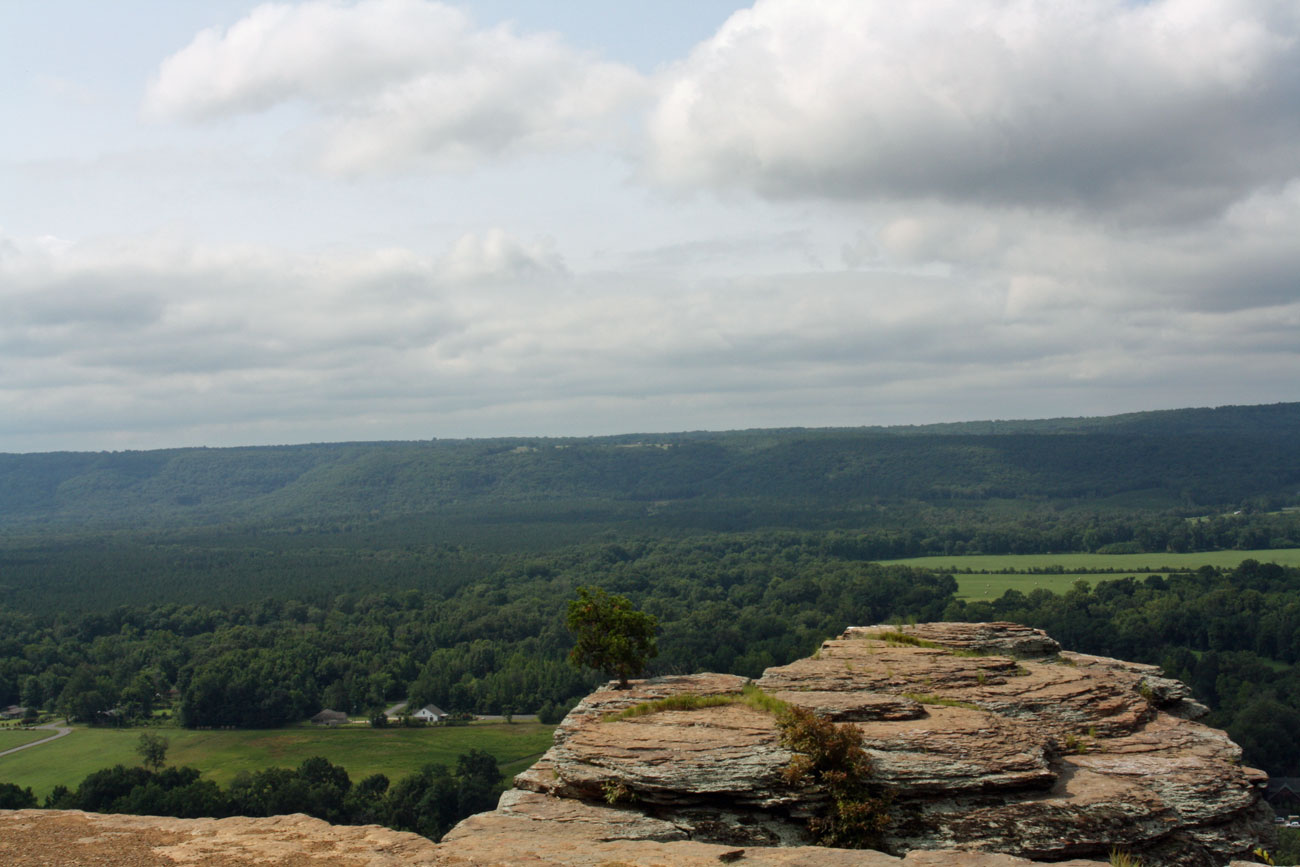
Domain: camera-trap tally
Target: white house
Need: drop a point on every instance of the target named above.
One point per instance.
(430, 713)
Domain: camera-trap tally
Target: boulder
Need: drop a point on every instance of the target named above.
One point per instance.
(983, 736)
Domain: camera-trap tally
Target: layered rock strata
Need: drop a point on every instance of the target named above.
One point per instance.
(71, 838)
(556, 833)
(985, 737)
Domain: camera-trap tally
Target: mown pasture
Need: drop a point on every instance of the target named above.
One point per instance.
(988, 576)
(11, 737)
(222, 754)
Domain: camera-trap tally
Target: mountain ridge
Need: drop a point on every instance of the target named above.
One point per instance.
(1180, 458)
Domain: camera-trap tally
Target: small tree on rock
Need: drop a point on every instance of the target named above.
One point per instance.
(613, 637)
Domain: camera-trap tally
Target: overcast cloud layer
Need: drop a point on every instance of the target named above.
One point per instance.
(403, 219)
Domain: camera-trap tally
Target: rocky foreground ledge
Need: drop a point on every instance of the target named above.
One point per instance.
(997, 748)
(987, 736)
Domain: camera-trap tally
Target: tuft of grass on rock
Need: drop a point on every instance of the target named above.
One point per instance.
(685, 701)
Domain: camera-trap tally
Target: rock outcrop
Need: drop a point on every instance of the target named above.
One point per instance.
(71, 838)
(995, 747)
(556, 833)
(985, 737)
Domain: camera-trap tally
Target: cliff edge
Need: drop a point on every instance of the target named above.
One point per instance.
(983, 736)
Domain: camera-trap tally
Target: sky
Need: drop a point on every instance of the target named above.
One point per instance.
(229, 223)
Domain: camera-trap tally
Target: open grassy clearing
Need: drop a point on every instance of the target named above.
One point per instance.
(15, 737)
(994, 574)
(220, 755)
(1118, 562)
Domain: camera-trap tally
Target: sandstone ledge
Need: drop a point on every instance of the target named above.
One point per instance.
(71, 838)
(68, 838)
(987, 736)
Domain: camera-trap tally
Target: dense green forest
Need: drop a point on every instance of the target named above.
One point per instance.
(222, 567)
(733, 602)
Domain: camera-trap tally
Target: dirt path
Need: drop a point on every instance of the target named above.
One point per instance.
(59, 731)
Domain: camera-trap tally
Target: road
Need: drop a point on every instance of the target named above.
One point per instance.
(59, 731)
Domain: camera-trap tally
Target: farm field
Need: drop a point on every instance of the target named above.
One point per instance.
(15, 737)
(1117, 562)
(221, 754)
(994, 574)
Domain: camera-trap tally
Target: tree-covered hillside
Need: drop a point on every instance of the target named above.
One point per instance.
(1189, 460)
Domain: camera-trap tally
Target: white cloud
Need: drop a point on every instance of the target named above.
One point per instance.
(495, 257)
(396, 82)
(1156, 109)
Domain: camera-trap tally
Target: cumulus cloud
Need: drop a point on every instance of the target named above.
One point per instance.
(496, 256)
(391, 82)
(1043, 264)
(1158, 109)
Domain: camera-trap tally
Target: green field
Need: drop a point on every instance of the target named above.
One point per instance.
(1118, 562)
(14, 737)
(997, 573)
(220, 755)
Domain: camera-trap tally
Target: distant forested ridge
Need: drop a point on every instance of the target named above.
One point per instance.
(1194, 459)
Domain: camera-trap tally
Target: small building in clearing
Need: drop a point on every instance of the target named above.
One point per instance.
(430, 713)
(329, 717)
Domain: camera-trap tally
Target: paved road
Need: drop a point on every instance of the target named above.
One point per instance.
(59, 731)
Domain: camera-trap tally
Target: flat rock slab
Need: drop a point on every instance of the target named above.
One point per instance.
(998, 637)
(984, 736)
(71, 838)
(853, 706)
(678, 757)
(535, 830)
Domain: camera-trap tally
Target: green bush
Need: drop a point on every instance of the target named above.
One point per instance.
(1288, 847)
(832, 756)
(14, 798)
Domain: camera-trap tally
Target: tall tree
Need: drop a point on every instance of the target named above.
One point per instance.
(152, 749)
(613, 637)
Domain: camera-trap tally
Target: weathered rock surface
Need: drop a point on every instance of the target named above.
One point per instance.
(535, 829)
(558, 832)
(71, 838)
(986, 736)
